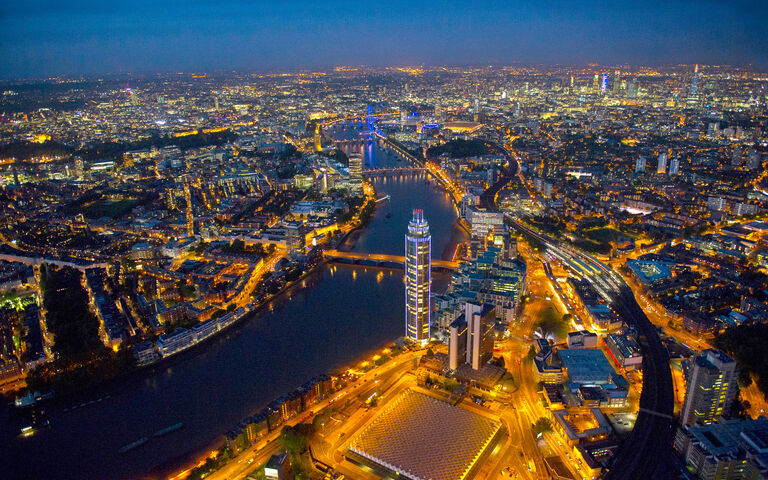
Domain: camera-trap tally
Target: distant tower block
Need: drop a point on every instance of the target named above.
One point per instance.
(661, 167)
(356, 173)
(318, 139)
(674, 167)
(418, 278)
(640, 165)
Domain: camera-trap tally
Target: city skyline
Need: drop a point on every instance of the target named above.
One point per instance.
(346, 240)
(86, 37)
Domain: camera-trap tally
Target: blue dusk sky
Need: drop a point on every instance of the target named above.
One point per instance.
(51, 38)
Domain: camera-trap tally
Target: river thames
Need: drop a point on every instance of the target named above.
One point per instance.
(332, 319)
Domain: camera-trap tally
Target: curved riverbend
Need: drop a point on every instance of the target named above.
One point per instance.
(336, 316)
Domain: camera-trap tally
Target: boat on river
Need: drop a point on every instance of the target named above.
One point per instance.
(167, 430)
(132, 445)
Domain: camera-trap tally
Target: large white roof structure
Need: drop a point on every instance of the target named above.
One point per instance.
(423, 438)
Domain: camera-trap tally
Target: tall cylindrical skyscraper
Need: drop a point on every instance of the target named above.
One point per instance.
(418, 278)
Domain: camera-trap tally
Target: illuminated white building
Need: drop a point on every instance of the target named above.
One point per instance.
(356, 173)
(418, 278)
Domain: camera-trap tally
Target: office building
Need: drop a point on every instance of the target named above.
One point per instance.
(480, 321)
(278, 467)
(294, 236)
(482, 221)
(728, 449)
(582, 339)
(418, 278)
(640, 165)
(457, 342)
(356, 173)
(711, 388)
(633, 89)
(662, 165)
(624, 350)
(592, 378)
(674, 167)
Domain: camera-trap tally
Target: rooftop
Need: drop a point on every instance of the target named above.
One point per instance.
(423, 438)
(587, 366)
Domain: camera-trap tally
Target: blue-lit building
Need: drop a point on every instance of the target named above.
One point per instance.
(592, 378)
(418, 278)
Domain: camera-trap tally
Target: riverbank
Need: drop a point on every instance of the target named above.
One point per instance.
(363, 364)
(328, 319)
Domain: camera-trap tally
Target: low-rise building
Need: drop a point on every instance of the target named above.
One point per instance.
(624, 350)
(582, 339)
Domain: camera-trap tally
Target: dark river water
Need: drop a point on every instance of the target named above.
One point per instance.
(342, 313)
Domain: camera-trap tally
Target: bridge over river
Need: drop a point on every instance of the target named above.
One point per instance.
(379, 259)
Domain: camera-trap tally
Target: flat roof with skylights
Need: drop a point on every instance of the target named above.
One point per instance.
(422, 438)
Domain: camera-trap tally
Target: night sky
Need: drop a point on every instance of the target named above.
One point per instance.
(74, 36)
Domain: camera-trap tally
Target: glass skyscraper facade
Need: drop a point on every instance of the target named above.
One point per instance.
(418, 278)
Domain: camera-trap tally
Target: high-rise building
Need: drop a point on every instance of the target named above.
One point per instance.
(712, 386)
(640, 165)
(617, 83)
(356, 173)
(693, 98)
(471, 336)
(318, 139)
(418, 278)
(294, 236)
(695, 81)
(480, 321)
(633, 89)
(596, 84)
(674, 167)
(457, 342)
(661, 167)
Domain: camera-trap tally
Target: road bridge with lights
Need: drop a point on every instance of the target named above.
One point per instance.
(378, 259)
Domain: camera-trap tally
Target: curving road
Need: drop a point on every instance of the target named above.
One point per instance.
(646, 454)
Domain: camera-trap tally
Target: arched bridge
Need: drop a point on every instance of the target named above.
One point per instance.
(378, 258)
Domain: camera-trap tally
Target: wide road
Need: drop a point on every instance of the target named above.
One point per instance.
(249, 460)
(647, 451)
(488, 198)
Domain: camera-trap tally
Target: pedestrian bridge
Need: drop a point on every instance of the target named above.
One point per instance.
(379, 259)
